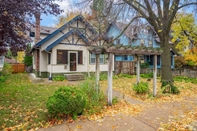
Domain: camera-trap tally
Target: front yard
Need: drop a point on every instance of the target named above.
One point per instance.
(23, 104)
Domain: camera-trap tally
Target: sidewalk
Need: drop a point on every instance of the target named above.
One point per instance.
(148, 120)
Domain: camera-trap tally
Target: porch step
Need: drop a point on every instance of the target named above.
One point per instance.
(74, 77)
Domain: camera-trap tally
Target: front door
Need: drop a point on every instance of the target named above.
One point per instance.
(73, 61)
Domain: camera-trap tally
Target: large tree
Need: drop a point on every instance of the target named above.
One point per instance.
(160, 14)
(184, 32)
(16, 17)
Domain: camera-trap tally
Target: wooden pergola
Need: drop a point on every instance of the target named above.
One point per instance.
(138, 51)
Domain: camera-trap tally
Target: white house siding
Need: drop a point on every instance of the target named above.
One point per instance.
(34, 57)
(43, 61)
(53, 39)
(85, 67)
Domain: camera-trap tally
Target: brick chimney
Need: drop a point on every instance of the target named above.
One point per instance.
(37, 31)
(37, 39)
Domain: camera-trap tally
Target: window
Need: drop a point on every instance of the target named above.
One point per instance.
(62, 57)
(158, 60)
(32, 34)
(93, 59)
(125, 58)
(142, 42)
(49, 58)
(151, 60)
(150, 43)
(80, 57)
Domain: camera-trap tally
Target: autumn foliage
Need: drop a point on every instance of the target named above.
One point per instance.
(16, 18)
(191, 57)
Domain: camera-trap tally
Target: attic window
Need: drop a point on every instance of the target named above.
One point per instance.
(32, 34)
(142, 42)
(150, 43)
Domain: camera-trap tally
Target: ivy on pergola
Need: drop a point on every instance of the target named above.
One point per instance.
(119, 49)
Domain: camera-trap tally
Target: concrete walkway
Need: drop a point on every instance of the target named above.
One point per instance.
(149, 120)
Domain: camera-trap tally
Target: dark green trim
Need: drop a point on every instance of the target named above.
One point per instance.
(44, 75)
(36, 73)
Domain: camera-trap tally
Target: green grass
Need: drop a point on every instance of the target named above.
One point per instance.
(23, 104)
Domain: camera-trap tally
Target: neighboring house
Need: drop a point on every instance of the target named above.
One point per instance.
(1, 62)
(65, 50)
(137, 35)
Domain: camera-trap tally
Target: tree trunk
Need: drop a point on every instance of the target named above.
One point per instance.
(166, 75)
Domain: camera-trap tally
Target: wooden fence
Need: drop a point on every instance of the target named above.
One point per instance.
(124, 67)
(18, 68)
(129, 68)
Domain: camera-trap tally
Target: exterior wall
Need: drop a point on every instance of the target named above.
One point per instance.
(43, 61)
(114, 32)
(53, 39)
(85, 67)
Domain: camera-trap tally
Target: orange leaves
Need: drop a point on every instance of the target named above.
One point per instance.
(120, 107)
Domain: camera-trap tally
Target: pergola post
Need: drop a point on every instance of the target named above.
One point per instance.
(97, 73)
(110, 76)
(138, 69)
(155, 75)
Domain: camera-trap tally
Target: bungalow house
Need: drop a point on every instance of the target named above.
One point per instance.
(65, 50)
(137, 35)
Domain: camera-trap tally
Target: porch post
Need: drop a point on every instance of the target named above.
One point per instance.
(155, 75)
(110, 76)
(138, 69)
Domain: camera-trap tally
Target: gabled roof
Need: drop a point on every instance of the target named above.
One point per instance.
(73, 31)
(44, 29)
(132, 29)
(79, 17)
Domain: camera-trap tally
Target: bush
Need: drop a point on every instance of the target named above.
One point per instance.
(58, 78)
(103, 76)
(67, 101)
(144, 65)
(28, 60)
(168, 87)
(180, 62)
(95, 102)
(141, 88)
(7, 70)
(125, 75)
(148, 75)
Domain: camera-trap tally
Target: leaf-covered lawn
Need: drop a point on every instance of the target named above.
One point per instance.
(125, 85)
(23, 104)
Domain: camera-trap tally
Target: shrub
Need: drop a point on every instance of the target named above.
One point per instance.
(67, 101)
(168, 87)
(141, 87)
(95, 102)
(58, 78)
(125, 75)
(148, 75)
(7, 70)
(180, 62)
(115, 100)
(144, 65)
(28, 60)
(103, 76)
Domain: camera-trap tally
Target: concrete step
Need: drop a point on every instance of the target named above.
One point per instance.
(74, 77)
